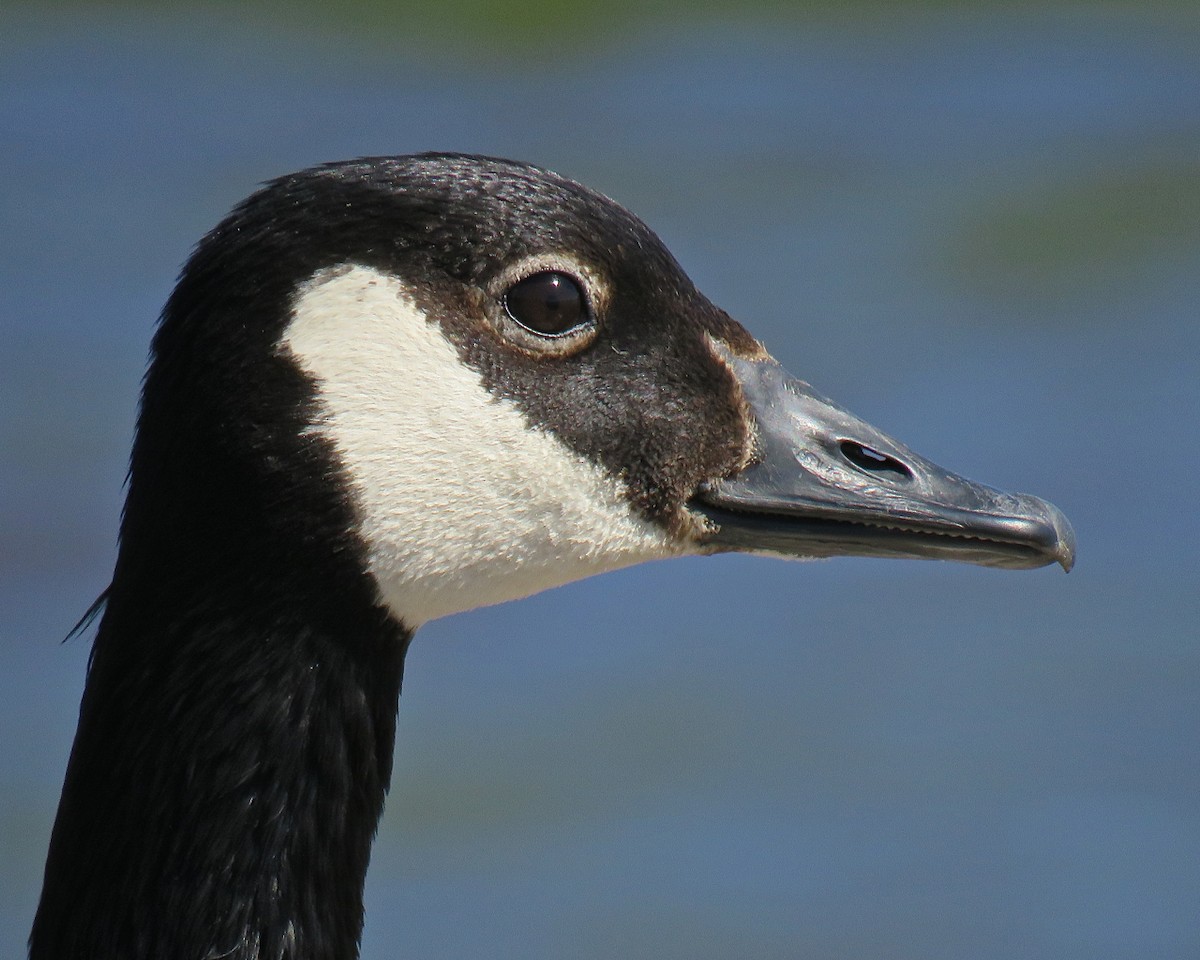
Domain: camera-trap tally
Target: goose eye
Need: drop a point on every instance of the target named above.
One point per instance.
(550, 304)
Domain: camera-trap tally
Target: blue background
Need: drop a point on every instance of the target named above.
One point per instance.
(977, 226)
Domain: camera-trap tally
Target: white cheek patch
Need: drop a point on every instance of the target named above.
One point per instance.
(463, 503)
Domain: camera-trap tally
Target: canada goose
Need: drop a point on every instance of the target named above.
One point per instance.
(384, 391)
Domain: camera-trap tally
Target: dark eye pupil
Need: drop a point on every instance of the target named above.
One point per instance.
(547, 303)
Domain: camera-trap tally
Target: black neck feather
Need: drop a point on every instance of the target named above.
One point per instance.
(223, 791)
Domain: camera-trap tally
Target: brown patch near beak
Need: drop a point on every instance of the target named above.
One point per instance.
(752, 350)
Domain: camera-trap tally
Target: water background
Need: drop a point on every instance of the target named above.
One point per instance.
(976, 225)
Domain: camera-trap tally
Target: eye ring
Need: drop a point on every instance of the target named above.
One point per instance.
(550, 304)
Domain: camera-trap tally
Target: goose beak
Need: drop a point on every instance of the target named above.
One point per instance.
(824, 483)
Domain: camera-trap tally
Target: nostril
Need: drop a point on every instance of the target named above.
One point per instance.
(873, 461)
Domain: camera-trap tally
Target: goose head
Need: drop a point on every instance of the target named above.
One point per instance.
(513, 384)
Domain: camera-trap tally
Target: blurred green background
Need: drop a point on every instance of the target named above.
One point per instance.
(973, 223)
